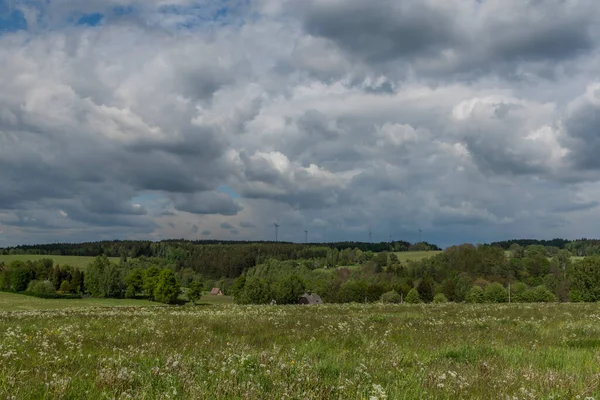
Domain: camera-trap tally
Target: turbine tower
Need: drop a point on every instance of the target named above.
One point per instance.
(276, 230)
(305, 236)
(370, 236)
(420, 232)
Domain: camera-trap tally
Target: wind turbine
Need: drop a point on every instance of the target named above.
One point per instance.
(370, 235)
(420, 232)
(305, 236)
(276, 230)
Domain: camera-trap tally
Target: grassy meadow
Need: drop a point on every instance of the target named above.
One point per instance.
(449, 351)
(405, 256)
(74, 261)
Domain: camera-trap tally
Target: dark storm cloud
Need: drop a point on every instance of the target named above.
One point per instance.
(245, 224)
(226, 225)
(387, 31)
(456, 37)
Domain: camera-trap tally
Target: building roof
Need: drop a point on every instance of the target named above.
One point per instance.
(215, 290)
(310, 298)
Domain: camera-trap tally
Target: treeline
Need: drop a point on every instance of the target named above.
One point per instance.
(134, 248)
(210, 259)
(464, 273)
(151, 279)
(581, 247)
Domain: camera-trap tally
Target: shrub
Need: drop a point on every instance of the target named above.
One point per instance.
(475, 295)
(391, 297)
(542, 295)
(440, 298)
(41, 287)
(575, 296)
(495, 293)
(413, 297)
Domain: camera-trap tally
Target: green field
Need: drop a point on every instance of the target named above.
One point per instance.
(75, 261)
(415, 255)
(19, 302)
(348, 351)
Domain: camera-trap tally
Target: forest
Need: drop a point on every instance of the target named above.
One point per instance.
(259, 273)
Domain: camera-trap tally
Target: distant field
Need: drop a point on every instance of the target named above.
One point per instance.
(19, 302)
(415, 255)
(216, 300)
(75, 261)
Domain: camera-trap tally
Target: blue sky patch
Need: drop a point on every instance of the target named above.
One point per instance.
(90, 19)
(12, 21)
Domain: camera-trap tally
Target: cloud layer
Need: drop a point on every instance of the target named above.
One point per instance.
(472, 120)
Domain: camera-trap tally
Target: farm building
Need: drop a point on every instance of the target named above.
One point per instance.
(216, 292)
(310, 298)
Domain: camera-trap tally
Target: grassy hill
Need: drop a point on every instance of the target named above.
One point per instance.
(75, 261)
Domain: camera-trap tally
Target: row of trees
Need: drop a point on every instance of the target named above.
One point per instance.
(461, 274)
(214, 259)
(102, 279)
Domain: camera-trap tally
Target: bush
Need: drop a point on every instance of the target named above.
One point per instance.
(391, 297)
(41, 287)
(475, 295)
(495, 293)
(413, 297)
(440, 298)
(542, 295)
(575, 296)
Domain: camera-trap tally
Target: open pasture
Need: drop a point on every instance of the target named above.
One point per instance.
(74, 261)
(20, 302)
(415, 255)
(376, 351)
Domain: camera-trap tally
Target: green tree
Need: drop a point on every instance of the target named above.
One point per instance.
(255, 291)
(194, 292)
(495, 293)
(65, 287)
(413, 297)
(238, 286)
(19, 278)
(134, 282)
(111, 282)
(542, 295)
(93, 276)
(167, 289)
(290, 289)
(585, 278)
(425, 289)
(563, 261)
(449, 289)
(475, 295)
(41, 287)
(391, 297)
(150, 281)
(463, 286)
(440, 298)
(353, 292)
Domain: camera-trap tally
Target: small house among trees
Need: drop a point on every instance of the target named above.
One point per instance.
(310, 298)
(216, 292)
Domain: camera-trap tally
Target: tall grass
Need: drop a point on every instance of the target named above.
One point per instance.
(376, 351)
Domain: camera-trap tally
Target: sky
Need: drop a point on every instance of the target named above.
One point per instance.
(473, 120)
